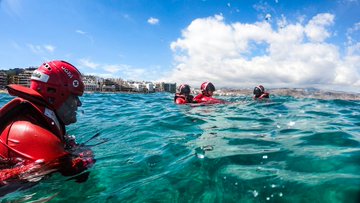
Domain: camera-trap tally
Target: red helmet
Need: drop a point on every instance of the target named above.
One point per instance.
(184, 89)
(56, 81)
(207, 86)
(259, 90)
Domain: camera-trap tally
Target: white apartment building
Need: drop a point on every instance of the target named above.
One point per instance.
(90, 83)
(150, 87)
(138, 87)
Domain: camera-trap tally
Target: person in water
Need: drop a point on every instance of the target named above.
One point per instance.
(259, 93)
(32, 125)
(183, 96)
(207, 91)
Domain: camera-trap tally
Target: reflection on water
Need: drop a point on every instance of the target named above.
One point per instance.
(284, 150)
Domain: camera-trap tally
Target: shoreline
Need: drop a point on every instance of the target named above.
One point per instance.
(297, 93)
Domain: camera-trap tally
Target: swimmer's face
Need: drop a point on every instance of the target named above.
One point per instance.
(208, 93)
(67, 111)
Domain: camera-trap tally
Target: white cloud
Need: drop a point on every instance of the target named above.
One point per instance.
(35, 48)
(352, 33)
(114, 68)
(268, 16)
(244, 55)
(86, 63)
(282, 22)
(356, 26)
(354, 49)
(49, 48)
(41, 49)
(11, 7)
(126, 16)
(153, 21)
(81, 32)
(123, 71)
(316, 28)
(347, 71)
(264, 10)
(126, 71)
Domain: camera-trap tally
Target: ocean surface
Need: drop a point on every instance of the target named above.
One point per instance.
(282, 150)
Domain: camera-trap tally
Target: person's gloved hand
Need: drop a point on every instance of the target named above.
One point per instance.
(85, 160)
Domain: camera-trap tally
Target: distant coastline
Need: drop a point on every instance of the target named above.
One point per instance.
(297, 93)
(293, 92)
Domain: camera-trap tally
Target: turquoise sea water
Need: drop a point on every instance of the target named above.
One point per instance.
(285, 150)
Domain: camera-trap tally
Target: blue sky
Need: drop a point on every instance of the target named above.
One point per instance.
(277, 43)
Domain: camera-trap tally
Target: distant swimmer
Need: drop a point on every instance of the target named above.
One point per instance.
(183, 96)
(207, 91)
(259, 93)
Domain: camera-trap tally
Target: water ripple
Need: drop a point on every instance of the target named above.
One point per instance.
(283, 150)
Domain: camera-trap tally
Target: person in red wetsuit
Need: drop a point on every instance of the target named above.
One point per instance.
(32, 125)
(259, 93)
(207, 91)
(183, 96)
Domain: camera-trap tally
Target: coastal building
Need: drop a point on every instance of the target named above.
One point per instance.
(166, 87)
(108, 88)
(24, 78)
(139, 87)
(142, 86)
(95, 83)
(90, 83)
(150, 87)
(126, 88)
(13, 79)
(3, 79)
(110, 85)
